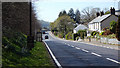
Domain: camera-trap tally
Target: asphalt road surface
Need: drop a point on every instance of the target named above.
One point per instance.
(78, 54)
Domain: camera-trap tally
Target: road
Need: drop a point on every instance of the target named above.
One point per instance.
(78, 54)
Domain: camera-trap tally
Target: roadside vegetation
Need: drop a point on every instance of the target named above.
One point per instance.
(15, 29)
(15, 53)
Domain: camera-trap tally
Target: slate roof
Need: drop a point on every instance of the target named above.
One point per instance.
(100, 18)
(80, 27)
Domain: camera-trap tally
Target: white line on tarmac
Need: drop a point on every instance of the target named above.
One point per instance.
(77, 48)
(54, 58)
(68, 44)
(85, 50)
(96, 54)
(72, 46)
(113, 60)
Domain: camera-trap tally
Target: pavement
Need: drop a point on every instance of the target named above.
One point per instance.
(74, 54)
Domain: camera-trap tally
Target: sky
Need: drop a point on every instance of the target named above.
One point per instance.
(48, 10)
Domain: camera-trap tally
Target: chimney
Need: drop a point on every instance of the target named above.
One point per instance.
(112, 10)
(97, 14)
(101, 13)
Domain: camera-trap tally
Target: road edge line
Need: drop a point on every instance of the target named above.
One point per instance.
(52, 55)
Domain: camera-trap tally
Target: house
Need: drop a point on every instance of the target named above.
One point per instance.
(117, 12)
(79, 27)
(102, 21)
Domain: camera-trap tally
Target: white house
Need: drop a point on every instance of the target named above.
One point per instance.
(79, 27)
(102, 21)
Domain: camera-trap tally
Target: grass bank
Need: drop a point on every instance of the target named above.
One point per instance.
(15, 54)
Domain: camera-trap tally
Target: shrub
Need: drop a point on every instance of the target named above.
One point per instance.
(55, 33)
(82, 33)
(77, 37)
(107, 32)
(113, 26)
(102, 33)
(61, 35)
(68, 36)
(94, 33)
(106, 28)
(74, 35)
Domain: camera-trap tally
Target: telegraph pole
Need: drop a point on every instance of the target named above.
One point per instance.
(30, 38)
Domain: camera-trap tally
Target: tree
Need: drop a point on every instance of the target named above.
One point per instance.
(62, 13)
(107, 12)
(71, 13)
(113, 26)
(63, 23)
(118, 29)
(89, 13)
(77, 16)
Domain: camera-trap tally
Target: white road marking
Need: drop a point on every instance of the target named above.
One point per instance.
(77, 48)
(68, 44)
(72, 46)
(85, 50)
(54, 58)
(96, 54)
(113, 60)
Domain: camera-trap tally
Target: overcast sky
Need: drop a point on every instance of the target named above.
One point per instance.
(48, 10)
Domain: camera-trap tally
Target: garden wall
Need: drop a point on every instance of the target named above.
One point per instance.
(110, 41)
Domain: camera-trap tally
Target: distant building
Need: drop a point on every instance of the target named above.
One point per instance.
(79, 27)
(117, 12)
(119, 5)
(102, 21)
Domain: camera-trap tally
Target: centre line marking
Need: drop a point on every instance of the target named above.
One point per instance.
(72, 46)
(77, 48)
(113, 60)
(96, 54)
(85, 50)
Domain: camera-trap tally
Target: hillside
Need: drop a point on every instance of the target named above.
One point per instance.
(44, 24)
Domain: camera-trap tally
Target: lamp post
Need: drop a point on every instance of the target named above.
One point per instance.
(30, 38)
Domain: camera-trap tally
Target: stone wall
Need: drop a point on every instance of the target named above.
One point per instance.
(109, 41)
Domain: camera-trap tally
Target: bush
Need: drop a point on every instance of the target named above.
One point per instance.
(107, 32)
(102, 33)
(55, 33)
(94, 33)
(82, 33)
(113, 26)
(61, 35)
(77, 37)
(68, 36)
(106, 28)
(74, 35)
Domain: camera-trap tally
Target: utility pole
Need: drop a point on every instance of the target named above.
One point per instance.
(30, 38)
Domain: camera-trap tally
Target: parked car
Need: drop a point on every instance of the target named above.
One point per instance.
(46, 37)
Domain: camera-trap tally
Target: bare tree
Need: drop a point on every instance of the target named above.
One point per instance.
(89, 13)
